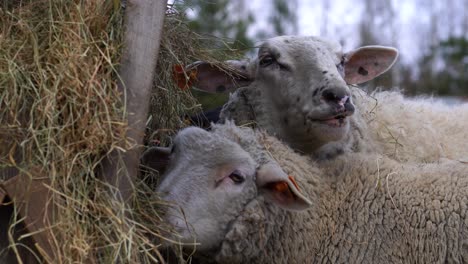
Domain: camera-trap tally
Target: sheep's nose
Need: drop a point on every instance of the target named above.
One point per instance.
(340, 97)
(335, 95)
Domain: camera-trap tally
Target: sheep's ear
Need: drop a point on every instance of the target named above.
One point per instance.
(213, 78)
(156, 158)
(280, 188)
(366, 63)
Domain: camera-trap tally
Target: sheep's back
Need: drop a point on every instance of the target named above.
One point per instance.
(415, 130)
(394, 213)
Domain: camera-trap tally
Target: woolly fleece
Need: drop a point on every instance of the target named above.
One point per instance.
(367, 209)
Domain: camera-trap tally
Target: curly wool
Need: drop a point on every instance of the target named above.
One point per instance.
(413, 130)
(369, 209)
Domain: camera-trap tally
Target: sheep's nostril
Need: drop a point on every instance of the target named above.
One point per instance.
(329, 96)
(349, 107)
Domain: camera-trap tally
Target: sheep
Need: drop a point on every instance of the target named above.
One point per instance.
(297, 89)
(233, 188)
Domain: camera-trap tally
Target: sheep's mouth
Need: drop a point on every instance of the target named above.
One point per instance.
(335, 121)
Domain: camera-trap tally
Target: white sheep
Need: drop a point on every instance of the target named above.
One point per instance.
(297, 90)
(361, 208)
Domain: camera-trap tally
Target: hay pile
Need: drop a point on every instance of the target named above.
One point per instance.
(61, 113)
(181, 46)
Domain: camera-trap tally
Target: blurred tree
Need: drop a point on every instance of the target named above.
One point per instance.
(368, 22)
(325, 20)
(442, 71)
(231, 20)
(465, 19)
(222, 18)
(283, 19)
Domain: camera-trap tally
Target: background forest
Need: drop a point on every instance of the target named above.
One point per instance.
(432, 36)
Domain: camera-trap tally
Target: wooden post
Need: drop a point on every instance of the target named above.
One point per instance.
(33, 200)
(143, 29)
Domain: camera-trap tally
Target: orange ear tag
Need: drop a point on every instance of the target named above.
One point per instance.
(283, 188)
(291, 178)
(280, 186)
(184, 80)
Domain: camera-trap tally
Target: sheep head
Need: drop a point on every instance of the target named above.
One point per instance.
(304, 84)
(210, 178)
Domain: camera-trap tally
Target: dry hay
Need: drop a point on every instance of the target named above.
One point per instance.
(61, 113)
(181, 46)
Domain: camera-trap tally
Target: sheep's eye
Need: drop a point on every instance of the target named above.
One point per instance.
(236, 177)
(266, 61)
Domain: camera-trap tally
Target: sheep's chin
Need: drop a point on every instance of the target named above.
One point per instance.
(315, 134)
